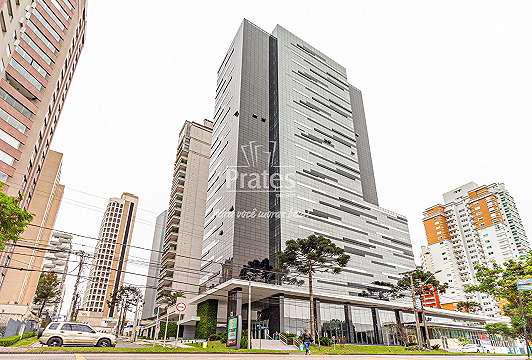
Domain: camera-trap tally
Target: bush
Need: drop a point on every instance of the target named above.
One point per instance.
(8, 341)
(221, 336)
(289, 335)
(326, 341)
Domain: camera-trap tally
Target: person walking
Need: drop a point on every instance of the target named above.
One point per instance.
(307, 340)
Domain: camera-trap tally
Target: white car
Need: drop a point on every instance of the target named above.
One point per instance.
(70, 333)
(472, 348)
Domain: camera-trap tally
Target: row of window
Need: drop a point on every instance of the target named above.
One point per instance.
(31, 61)
(25, 73)
(15, 103)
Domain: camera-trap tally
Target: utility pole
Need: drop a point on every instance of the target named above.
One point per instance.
(249, 314)
(75, 295)
(414, 304)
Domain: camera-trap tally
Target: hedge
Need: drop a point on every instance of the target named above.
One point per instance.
(8, 341)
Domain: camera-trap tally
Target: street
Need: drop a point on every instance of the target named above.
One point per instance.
(115, 356)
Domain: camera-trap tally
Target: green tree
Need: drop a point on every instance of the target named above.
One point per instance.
(169, 298)
(123, 299)
(423, 281)
(48, 291)
(500, 281)
(468, 306)
(506, 331)
(13, 219)
(310, 255)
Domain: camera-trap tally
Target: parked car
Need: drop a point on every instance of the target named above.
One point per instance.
(70, 333)
(471, 348)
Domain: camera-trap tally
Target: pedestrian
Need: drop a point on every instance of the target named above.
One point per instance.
(307, 340)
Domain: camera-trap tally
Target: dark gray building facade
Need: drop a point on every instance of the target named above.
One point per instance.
(290, 157)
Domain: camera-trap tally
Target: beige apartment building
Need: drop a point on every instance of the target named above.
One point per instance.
(180, 264)
(109, 261)
(19, 280)
(40, 44)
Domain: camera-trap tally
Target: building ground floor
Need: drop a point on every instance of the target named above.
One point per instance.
(284, 311)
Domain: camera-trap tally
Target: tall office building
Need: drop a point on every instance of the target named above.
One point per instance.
(180, 264)
(150, 294)
(56, 260)
(290, 157)
(109, 261)
(41, 42)
(18, 286)
(475, 225)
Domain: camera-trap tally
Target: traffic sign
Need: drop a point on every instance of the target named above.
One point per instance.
(181, 307)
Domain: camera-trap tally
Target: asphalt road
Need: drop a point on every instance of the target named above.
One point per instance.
(115, 356)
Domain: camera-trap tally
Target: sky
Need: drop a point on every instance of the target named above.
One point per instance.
(446, 86)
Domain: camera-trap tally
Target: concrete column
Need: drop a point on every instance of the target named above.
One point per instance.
(376, 325)
(349, 321)
(234, 303)
(277, 314)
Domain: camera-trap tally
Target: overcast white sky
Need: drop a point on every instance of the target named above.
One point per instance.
(446, 85)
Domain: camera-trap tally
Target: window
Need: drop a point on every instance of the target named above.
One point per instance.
(30, 61)
(15, 103)
(51, 14)
(3, 177)
(45, 23)
(41, 36)
(20, 69)
(12, 121)
(67, 327)
(9, 139)
(8, 159)
(60, 8)
(82, 328)
(37, 49)
(53, 326)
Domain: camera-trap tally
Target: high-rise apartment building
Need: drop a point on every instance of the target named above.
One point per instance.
(17, 287)
(41, 42)
(56, 261)
(290, 157)
(475, 225)
(109, 260)
(150, 294)
(183, 235)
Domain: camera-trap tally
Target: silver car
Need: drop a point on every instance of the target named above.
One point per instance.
(70, 333)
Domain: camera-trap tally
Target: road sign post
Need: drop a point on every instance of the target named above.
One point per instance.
(181, 308)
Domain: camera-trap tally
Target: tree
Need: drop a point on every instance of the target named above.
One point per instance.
(258, 270)
(263, 271)
(382, 291)
(500, 281)
(13, 219)
(169, 298)
(310, 255)
(506, 331)
(48, 291)
(468, 306)
(122, 299)
(424, 282)
(417, 283)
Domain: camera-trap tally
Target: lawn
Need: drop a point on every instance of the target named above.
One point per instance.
(212, 347)
(218, 347)
(25, 342)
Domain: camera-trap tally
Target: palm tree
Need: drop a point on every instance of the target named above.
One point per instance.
(468, 306)
(309, 255)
